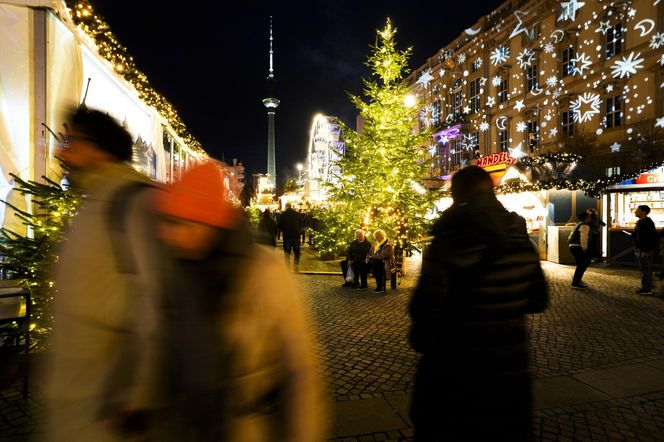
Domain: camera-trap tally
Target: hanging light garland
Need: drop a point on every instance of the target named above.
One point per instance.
(111, 50)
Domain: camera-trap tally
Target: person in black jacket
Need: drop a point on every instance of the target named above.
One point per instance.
(267, 229)
(290, 224)
(356, 255)
(645, 241)
(479, 278)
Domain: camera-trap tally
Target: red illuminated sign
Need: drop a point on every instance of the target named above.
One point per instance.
(650, 178)
(495, 159)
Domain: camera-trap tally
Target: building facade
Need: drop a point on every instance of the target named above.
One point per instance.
(544, 76)
(326, 147)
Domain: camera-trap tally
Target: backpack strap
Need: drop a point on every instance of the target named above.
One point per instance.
(116, 222)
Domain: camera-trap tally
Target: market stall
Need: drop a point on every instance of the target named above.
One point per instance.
(619, 203)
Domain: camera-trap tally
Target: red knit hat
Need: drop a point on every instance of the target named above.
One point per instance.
(199, 196)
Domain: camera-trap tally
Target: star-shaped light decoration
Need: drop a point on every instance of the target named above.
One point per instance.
(615, 147)
(466, 110)
(469, 141)
(519, 22)
(603, 27)
(425, 78)
(586, 114)
(580, 63)
(483, 81)
(660, 122)
(521, 126)
(569, 9)
(609, 88)
(484, 126)
(490, 101)
(631, 13)
(627, 66)
(657, 40)
(525, 58)
(519, 105)
(517, 153)
(553, 132)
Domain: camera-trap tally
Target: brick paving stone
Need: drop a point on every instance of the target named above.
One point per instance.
(365, 352)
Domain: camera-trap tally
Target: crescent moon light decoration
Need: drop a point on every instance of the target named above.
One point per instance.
(471, 31)
(558, 35)
(500, 123)
(641, 26)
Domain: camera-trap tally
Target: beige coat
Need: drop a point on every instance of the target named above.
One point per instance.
(102, 316)
(269, 330)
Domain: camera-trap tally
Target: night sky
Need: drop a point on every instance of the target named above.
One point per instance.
(210, 59)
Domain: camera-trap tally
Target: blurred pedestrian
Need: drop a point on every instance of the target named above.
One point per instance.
(105, 282)
(381, 260)
(356, 260)
(479, 278)
(645, 243)
(267, 229)
(595, 246)
(290, 224)
(579, 245)
(239, 362)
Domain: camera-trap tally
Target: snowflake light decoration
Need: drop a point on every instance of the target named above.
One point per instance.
(525, 58)
(484, 126)
(500, 55)
(657, 40)
(552, 81)
(496, 81)
(580, 64)
(461, 58)
(425, 78)
(521, 126)
(627, 66)
(660, 122)
(549, 48)
(478, 62)
(587, 98)
(569, 10)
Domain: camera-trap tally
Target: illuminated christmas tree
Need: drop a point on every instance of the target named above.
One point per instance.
(378, 180)
(31, 257)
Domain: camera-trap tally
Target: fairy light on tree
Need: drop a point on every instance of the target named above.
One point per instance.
(377, 186)
(31, 257)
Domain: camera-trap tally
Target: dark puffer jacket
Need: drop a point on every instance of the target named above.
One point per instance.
(479, 278)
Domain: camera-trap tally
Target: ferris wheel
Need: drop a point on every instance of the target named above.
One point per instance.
(325, 149)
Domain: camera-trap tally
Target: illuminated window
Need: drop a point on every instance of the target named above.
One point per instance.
(503, 140)
(567, 122)
(613, 111)
(456, 151)
(435, 114)
(611, 171)
(566, 58)
(503, 94)
(457, 100)
(474, 94)
(614, 40)
(532, 134)
(532, 81)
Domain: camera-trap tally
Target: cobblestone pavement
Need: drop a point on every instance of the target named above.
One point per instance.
(597, 361)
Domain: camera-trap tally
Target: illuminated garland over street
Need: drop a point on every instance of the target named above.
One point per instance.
(110, 49)
(551, 158)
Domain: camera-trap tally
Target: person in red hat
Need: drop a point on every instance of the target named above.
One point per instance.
(236, 347)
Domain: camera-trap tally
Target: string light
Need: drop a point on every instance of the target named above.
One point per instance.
(111, 50)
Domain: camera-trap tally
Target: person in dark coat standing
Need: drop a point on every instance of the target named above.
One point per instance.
(645, 242)
(290, 224)
(479, 278)
(356, 256)
(267, 229)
